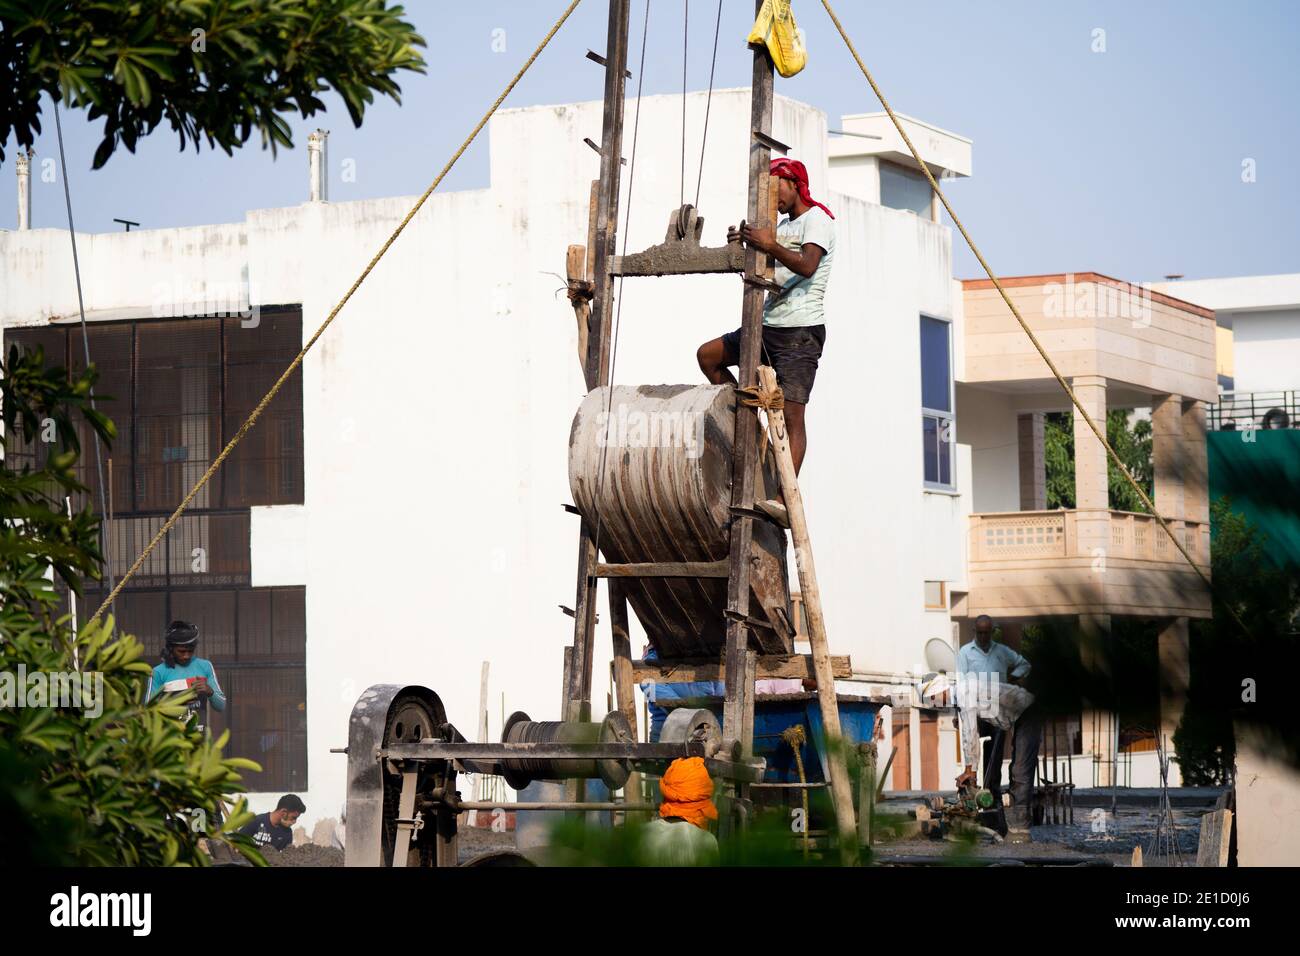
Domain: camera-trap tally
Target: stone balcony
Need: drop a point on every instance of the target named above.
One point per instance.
(1028, 564)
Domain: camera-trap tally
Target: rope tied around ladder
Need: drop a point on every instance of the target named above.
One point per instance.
(769, 400)
(756, 396)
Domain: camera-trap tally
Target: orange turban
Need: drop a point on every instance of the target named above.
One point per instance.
(688, 791)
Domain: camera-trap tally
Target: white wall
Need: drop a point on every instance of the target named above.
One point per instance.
(138, 274)
(1268, 800)
(1264, 315)
(437, 406)
(1266, 351)
(986, 421)
(856, 176)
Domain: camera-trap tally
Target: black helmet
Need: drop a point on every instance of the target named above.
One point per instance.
(182, 634)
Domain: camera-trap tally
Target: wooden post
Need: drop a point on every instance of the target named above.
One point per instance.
(578, 691)
(737, 715)
(767, 267)
(1216, 837)
(889, 762)
(624, 683)
(867, 793)
(568, 669)
(580, 267)
(575, 269)
(841, 790)
(593, 208)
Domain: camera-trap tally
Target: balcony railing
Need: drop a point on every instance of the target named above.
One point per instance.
(1035, 564)
(1018, 535)
(1023, 534)
(1241, 410)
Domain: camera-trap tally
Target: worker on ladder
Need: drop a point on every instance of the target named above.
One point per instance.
(794, 325)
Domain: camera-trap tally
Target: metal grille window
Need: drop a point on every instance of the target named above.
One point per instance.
(937, 403)
(177, 412)
(111, 352)
(177, 390)
(256, 639)
(266, 467)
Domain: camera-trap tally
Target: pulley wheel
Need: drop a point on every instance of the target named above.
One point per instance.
(615, 730)
(686, 724)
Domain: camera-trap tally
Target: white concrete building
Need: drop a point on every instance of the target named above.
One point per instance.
(1258, 345)
(1261, 316)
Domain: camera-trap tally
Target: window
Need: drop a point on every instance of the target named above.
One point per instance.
(904, 188)
(177, 389)
(936, 596)
(936, 402)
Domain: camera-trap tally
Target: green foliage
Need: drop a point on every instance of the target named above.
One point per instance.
(1206, 748)
(1227, 658)
(212, 69)
(1058, 459)
(1263, 595)
(97, 777)
(1132, 444)
(769, 839)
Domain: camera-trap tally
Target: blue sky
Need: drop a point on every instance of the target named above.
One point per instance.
(1127, 162)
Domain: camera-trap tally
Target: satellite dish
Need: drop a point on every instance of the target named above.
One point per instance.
(939, 655)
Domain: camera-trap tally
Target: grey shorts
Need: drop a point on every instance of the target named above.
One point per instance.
(792, 352)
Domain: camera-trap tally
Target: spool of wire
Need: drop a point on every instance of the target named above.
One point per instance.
(519, 772)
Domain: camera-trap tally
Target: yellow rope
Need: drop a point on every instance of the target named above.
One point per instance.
(1101, 437)
(266, 399)
(770, 400)
(756, 396)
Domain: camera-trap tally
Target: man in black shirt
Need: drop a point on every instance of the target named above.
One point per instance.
(275, 829)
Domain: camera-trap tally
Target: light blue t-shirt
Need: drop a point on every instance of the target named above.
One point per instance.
(800, 304)
(176, 676)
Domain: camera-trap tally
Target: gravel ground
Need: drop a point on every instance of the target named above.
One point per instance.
(1128, 828)
(306, 855)
(1131, 827)
(473, 842)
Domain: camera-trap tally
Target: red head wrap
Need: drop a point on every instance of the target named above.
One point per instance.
(795, 171)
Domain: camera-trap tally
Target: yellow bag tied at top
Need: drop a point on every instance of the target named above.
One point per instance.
(775, 28)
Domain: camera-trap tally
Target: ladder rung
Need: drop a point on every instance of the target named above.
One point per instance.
(665, 569)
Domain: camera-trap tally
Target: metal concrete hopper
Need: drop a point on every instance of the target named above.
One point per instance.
(665, 496)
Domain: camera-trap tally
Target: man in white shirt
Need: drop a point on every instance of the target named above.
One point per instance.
(993, 700)
(794, 329)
